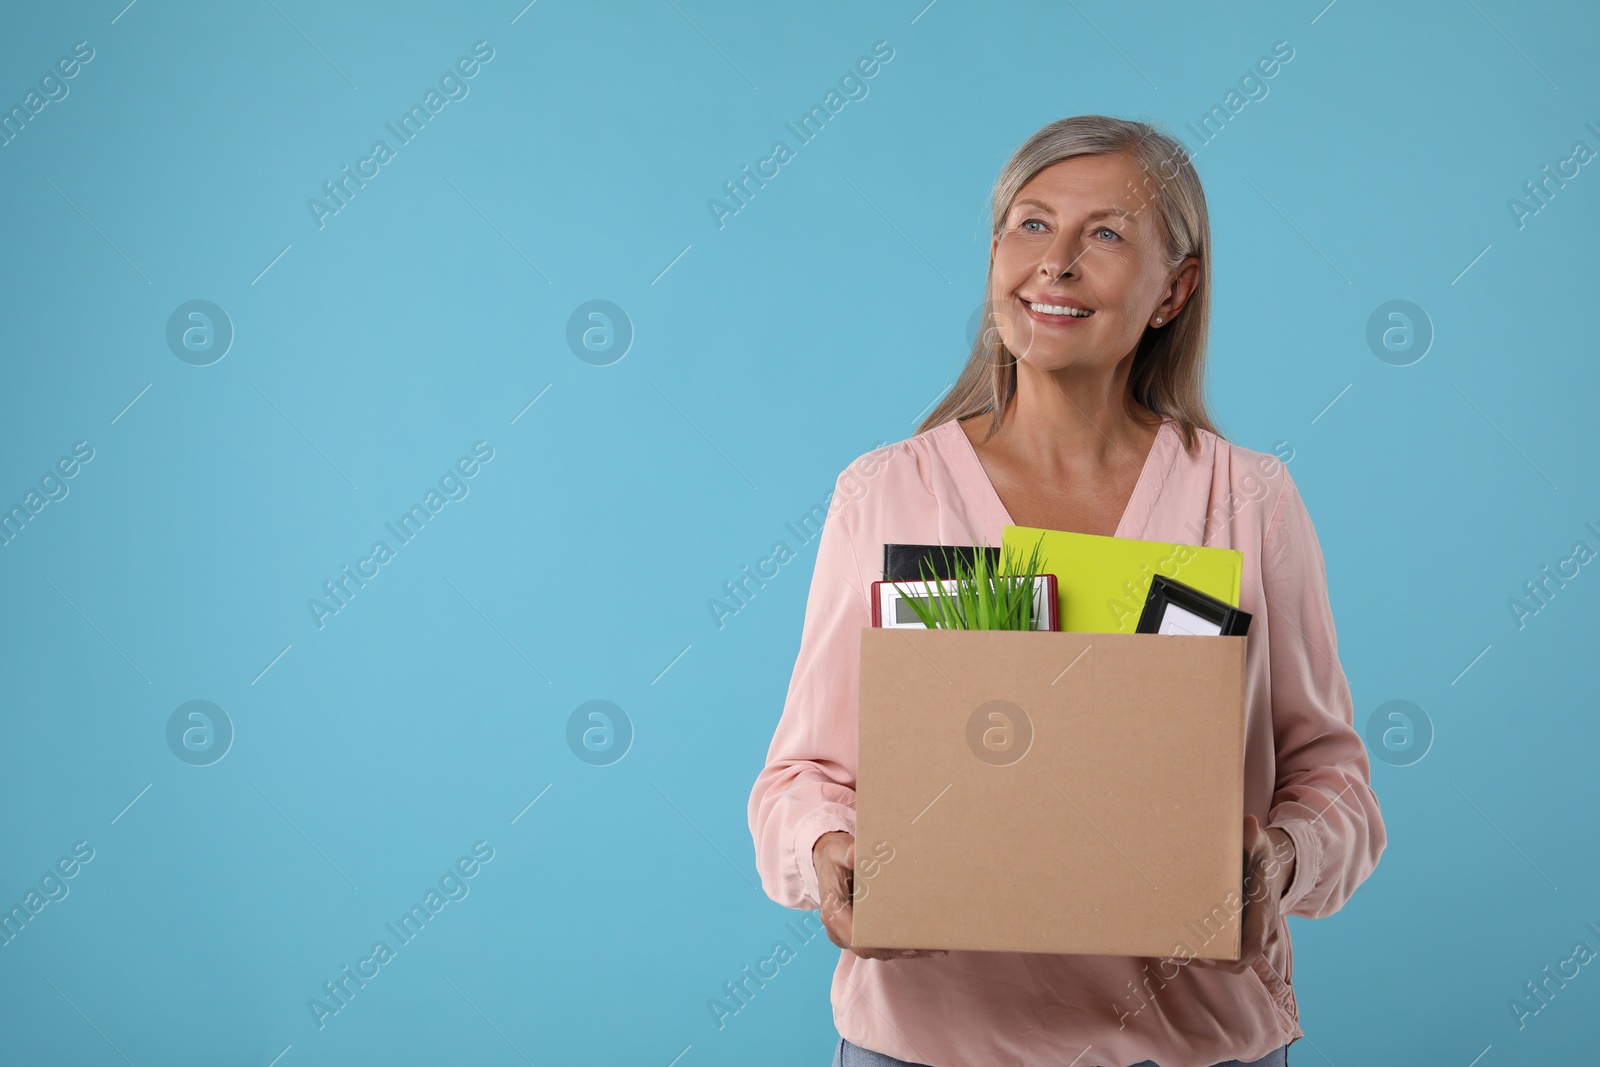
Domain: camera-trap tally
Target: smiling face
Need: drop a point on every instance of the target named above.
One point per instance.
(1079, 267)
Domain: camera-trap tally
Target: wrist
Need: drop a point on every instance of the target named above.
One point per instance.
(1283, 858)
(820, 844)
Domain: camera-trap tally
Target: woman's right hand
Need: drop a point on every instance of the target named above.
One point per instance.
(834, 856)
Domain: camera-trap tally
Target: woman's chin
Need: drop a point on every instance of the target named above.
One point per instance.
(1056, 359)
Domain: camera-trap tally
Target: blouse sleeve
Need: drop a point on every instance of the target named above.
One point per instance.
(807, 787)
(1323, 795)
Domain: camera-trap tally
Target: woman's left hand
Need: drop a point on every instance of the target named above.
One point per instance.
(1269, 865)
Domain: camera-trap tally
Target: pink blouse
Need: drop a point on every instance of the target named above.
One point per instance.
(1306, 770)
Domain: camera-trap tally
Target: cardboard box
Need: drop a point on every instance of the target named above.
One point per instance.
(1053, 792)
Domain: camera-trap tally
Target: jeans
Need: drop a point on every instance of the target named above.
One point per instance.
(850, 1055)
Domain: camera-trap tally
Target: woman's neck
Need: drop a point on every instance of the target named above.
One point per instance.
(1055, 425)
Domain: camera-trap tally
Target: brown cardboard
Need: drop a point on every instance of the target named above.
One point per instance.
(1120, 828)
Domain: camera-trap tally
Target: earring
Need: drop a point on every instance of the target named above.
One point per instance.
(1158, 320)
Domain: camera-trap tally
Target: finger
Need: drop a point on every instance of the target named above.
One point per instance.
(833, 896)
(836, 907)
(830, 920)
(1253, 834)
(838, 925)
(874, 953)
(1256, 841)
(1253, 933)
(844, 920)
(849, 869)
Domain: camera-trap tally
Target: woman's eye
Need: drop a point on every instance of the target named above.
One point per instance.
(1107, 229)
(1023, 225)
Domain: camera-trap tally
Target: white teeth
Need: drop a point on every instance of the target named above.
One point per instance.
(1053, 309)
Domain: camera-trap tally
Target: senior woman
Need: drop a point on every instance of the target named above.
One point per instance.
(1082, 408)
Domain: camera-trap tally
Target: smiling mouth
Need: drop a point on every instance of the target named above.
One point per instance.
(1059, 311)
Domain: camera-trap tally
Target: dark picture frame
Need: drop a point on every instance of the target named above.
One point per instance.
(1173, 607)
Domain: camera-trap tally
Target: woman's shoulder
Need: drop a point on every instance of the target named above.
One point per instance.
(906, 456)
(1244, 467)
(894, 475)
(1246, 485)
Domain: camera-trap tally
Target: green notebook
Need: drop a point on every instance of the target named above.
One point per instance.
(1102, 582)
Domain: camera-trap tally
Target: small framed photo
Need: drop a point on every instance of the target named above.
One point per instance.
(1175, 608)
(892, 610)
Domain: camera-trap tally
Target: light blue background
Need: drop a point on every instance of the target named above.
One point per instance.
(823, 318)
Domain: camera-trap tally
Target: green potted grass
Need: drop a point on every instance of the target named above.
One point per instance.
(983, 598)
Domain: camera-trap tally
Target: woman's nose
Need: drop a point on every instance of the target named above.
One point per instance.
(1061, 256)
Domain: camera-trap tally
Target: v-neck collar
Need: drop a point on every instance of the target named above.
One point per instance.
(1141, 503)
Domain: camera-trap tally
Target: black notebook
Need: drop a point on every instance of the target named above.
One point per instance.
(904, 563)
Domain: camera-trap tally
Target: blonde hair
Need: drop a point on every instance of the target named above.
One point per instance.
(1168, 372)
